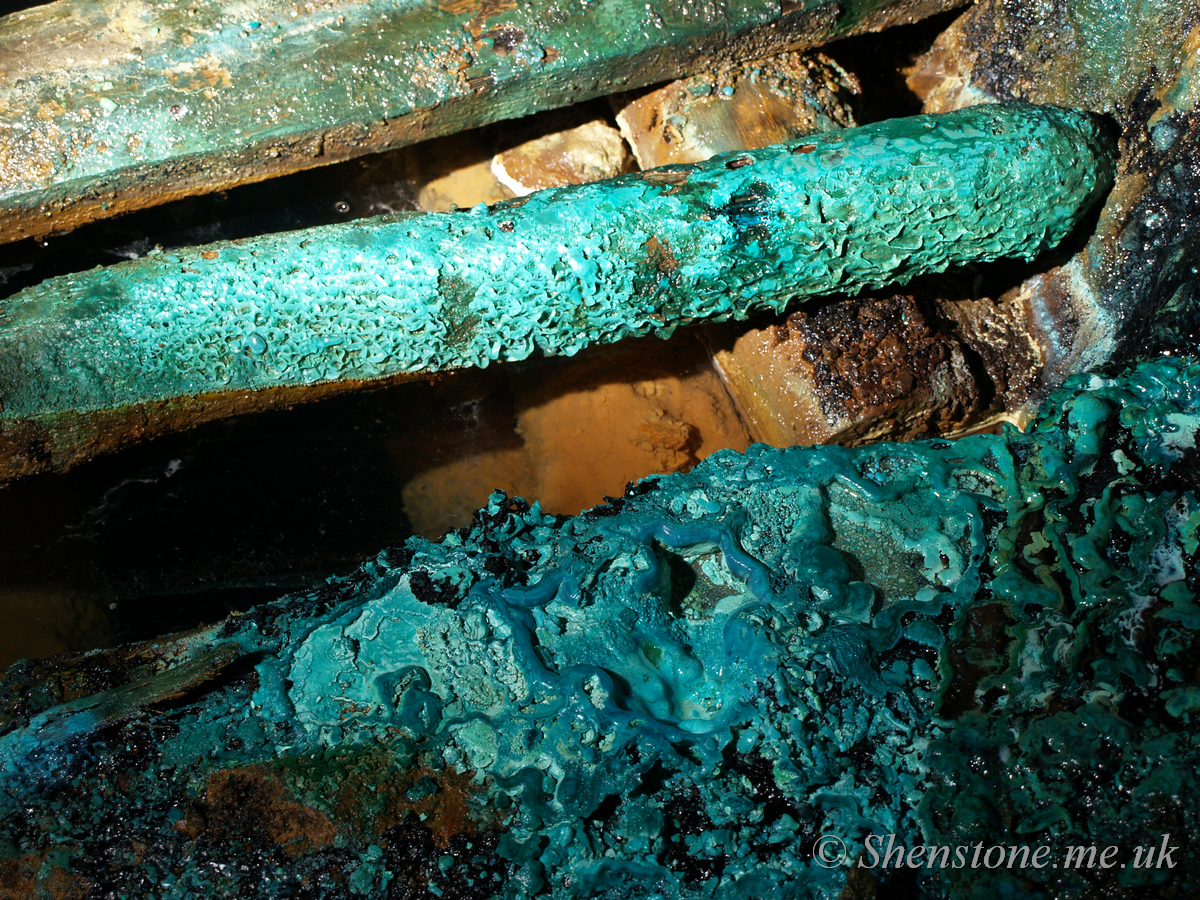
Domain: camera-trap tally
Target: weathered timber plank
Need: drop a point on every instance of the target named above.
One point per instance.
(113, 106)
(554, 272)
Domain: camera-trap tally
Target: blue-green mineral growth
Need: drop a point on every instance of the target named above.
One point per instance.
(558, 270)
(701, 690)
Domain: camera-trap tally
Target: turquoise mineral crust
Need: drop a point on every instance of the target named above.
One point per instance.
(988, 642)
(196, 98)
(559, 270)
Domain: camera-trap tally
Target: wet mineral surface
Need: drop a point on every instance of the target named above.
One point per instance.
(108, 107)
(1131, 289)
(677, 694)
(1042, 695)
(174, 339)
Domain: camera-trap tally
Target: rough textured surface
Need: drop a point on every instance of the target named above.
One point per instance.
(577, 154)
(741, 107)
(121, 104)
(675, 695)
(904, 371)
(1132, 289)
(855, 371)
(405, 296)
(938, 361)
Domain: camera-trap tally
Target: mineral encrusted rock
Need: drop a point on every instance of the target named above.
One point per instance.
(859, 370)
(888, 366)
(175, 338)
(743, 107)
(988, 641)
(1124, 286)
(589, 151)
(112, 106)
(1130, 289)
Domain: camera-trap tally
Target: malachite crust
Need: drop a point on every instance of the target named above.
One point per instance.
(675, 695)
(110, 106)
(559, 270)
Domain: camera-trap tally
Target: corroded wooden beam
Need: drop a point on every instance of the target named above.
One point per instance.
(114, 349)
(113, 106)
(857, 370)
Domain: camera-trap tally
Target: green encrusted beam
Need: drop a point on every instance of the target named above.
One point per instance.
(110, 106)
(413, 295)
(729, 684)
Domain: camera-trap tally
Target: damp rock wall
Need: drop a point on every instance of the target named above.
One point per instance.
(1130, 288)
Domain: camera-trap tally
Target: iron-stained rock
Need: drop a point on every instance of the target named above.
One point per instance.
(574, 154)
(1131, 287)
(742, 107)
(856, 371)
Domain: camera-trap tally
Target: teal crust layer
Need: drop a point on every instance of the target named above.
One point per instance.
(988, 641)
(106, 107)
(559, 270)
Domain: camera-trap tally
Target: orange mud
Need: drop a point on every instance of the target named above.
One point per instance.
(566, 432)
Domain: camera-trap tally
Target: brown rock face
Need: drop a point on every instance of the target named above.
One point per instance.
(884, 356)
(566, 432)
(252, 804)
(587, 152)
(741, 107)
(1130, 287)
(861, 370)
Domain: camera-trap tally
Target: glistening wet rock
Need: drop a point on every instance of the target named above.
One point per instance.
(982, 642)
(1131, 287)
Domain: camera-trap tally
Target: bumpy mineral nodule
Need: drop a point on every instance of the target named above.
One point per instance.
(559, 270)
(989, 641)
